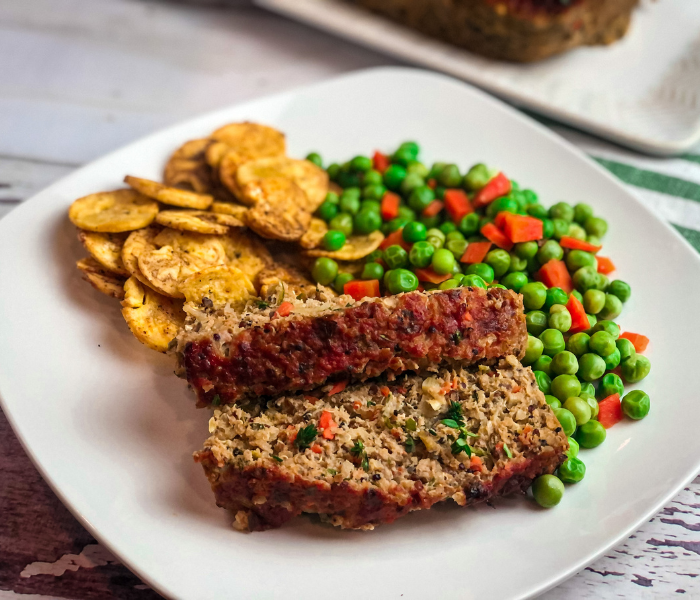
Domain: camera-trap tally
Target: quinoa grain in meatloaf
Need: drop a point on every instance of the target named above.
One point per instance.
(379, 450)
(227, 357)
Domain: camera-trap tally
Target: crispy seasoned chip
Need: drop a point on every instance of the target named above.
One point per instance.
(154, 319)
(187, 167)
(218, 286)
(245, 251)
(310, 178)
(138, 242)
(198, 221)
(251, 140)
(169, 195)
(215, 154)
(113, 212)
(229, 208)
(106, 249)
(356, 247)
(101, 279)
(270, 277)
(279, 209)
(314, 234)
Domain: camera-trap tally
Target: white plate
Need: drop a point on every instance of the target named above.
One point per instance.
(643, 92)
(112, 430)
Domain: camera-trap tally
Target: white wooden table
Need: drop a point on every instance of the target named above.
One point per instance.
(79, 78)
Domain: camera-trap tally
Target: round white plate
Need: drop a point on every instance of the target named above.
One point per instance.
(112, 429)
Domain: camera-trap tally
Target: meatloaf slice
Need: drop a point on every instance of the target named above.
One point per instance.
(381, 449)
(227, 358)
(515, 30)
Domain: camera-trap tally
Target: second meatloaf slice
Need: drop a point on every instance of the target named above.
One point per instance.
(260, 353)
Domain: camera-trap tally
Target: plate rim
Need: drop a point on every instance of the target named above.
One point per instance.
(162, 588)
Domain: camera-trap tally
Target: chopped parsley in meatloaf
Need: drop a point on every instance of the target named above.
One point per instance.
(378, 450)
(227, 356)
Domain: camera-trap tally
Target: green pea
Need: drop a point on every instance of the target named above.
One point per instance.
(593, 301)
(552, 401)
(593, 240)
(592, 403)
(361, 163)
(373, 177)
(342, 222)
(502, 204)
(499, 261)
(577, 344)
(367, 220)
(572, 470)
(375, 256)
(411, 148)
(482, 270)
(560, 228)
(635, 368)
(347, 180)
(555, 295)
(562, 210)
(515, 281)
(450, 177)
(547, 490)
(572, 452)
(497, 285)
(324, 270)
(469, 224)
(436, 169)
(417, 167)
(340, 280)
(602, 343)
(457, 247)
(636, 405)
(448, 227)
(626, 348)
(566, 420)
(401, 280)
(393, 177)
(372, 205)
(547, 228)
(327, 211)
(596, 226)
(553, 341)
(537, 210)
(610, 384)
(407, 213)
(333, 170)
(591, 321)
(612, 308)
(577, 232)
(550, 250)
(333, 240)
(565, 386)
(612, 360)
(560, 320)
(435, 237)
(526, 249)
(544, 364)
(602, 282)
(351, 192)
(474, 281)
(533, 265)
(420, 198)
(543, 380)
(516, 263)
(395, 257)
(576, 294)
(349, 204)
(585, 278)
(477, 177)
(373, 192)
(590, 367)
(402, 157)
(431, 222)
(534, 295)
(443, 261)
(587, 388)
(620, 289)
(536, 322)
(372, 270)
(533, 352)
(332, 198)
(582, 212)
(576, 259)
(410, 183)
(414, 232)
(421, 254)
(579, 408)
(591, 434)
(564, 363)
(395, 224)
(315, 157)
(608, 326)
(448, 284)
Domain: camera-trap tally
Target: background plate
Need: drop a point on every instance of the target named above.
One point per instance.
(112, 430)
(643, 92)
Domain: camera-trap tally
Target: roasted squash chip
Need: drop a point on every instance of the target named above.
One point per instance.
(113, 212)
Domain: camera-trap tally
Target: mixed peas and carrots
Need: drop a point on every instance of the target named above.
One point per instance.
(444, 229)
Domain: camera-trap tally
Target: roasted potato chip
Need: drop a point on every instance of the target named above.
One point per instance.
(154, 319)
(138, 242)
(279, 209)
(314, 234)
(229, 208)
(356, 247)
(310, 178)
(270, 277)
(245, 251)
(106, 249)
(217, 286)
(101, 279)
(198, 221)
(169, 195)
(187, 167)
(113, 212)
(250, 140)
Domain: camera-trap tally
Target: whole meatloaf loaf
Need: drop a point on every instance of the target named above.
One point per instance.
(516, 30)
(379, 450)
(228, 356)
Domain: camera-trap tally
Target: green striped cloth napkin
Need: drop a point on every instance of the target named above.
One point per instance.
(668, 186)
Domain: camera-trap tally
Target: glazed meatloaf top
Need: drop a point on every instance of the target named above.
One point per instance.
(378, 450)
(228, 356)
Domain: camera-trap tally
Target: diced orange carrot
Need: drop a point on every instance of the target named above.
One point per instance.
(284, 309)
(433, 208)
(380, 162)
(576, 244)
(501, 218)
(316, 449)
(338, 387)
(327, 424)
(395, 237)
(475, 463)
(555, 274)
(428, 275)
(390, 206)
(579, 319)
(610, 411)
(457, 204)
(605, 265)
(475, 253)
(498, 186)
(639, 341)
(520, 228)
(385, 391)
(495, 235)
